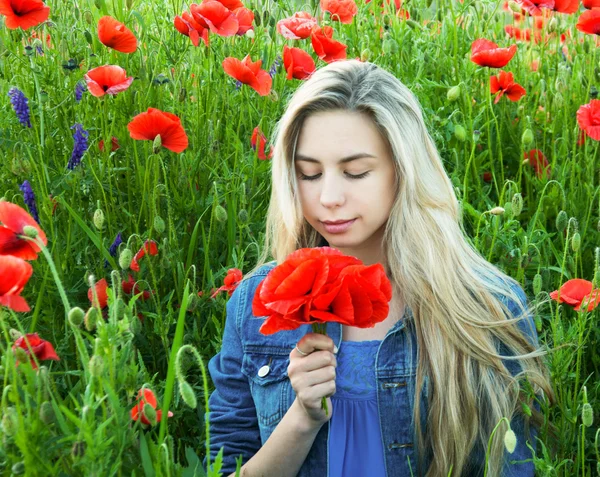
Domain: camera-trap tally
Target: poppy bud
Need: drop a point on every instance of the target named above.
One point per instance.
(576, 242)
(88, 37)
(517, 204)
(149, 413)
(96, 366)
(46, 413)
(453, 93)
(538, 323)
(30, 231)
(125, 259)
(510, 441)
(89, 19)
(586, 46)
(559, 101)
(497, 211)
(182, 95)
(390, 46)
(157, 144)
(76, 316)
(537, 284)
(250, 33)
(78, 449)
(220, 213)
(460, 133)
(527, 137)
(587, 414)
(9, 422)
(552, 25)
(573, 224)
(159, 224)
(514, 6)
(21, 355)
(14, 334)
(91, 318)
(243, 216)
(561, 221)
(273, 96)
(129, 4)
(526, 409)
(365, 55)
(99, 219)
(187, 394)
(18, 468)
(413, 24)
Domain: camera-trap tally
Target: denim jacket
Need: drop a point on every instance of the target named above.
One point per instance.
(253, 392)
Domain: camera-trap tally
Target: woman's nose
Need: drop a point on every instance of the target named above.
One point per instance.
(332, 192)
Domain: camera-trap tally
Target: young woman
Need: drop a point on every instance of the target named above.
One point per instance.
(354, 168)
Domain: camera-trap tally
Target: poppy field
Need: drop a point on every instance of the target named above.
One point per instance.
(135, 179)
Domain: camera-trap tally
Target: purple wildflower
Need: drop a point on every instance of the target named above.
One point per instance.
(238, 85)
(39, 50)
(80, 88)
(29, 198)
(80, 137)
(113, 248)
(21, 106)
(276, 63)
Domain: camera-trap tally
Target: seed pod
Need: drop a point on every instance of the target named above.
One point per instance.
(220, 213)
(76, 316)
(88, 37)
(526, 409)
(14, 334)
(96, 366)
(99, 219)
(561, 221)
(453, 93)
(576, 242)
(587, 414)
(187, 394)
(510, 441)
(250, 33)
(390, 46)
(365, 55)
(159, 224)
(497, 211)
(9, 422)
(514, 6)
(537, 284)
(125, 259)
(157, 144)
(243, 216)
(517, 204)
(150, 413)
(460, 133)
(30, 231)
(46, 412)
(91, 319)
(527, 137)
(538, 323)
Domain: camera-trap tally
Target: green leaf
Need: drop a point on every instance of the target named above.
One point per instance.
(194, 468)
(145, 455)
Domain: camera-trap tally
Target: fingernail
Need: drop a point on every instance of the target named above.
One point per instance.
(335, 349)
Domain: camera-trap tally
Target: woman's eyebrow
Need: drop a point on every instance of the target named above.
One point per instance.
(353, 157)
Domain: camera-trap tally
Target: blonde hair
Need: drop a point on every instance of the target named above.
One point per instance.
(452, 290)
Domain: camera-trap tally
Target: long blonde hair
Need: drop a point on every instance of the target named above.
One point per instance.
(453, 292)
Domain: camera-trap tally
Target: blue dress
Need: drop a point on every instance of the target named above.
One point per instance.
(355, 446)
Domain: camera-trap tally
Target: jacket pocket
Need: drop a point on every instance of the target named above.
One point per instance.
(269, 384)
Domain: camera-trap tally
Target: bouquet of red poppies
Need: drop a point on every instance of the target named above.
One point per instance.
(321, 285)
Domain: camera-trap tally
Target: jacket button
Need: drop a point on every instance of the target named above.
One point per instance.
(262, 372)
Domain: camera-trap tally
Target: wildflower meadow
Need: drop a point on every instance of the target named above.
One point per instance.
(135, 178)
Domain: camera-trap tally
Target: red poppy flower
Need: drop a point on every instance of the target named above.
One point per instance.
(116, 35)
(589, 22)
(101, 286)
(340, 10)
(42, 349)
(317, 285)
(298, 63)
(248, 72)
(114, 144)
(109, 79)
(231, 5)
(566, 6)
(262, 141)
(588, 118)
(538, 161)
(149, 246)
(35, 35)
(23, 13)
(397, 3)
(245, 18)
(517, 34)
(212, 14)
(486, 53)
(14, 274)
(148, 125)
(298, 27)
(230, 282)
(188, 26)
(325, 46)
(589, 4)
(146, 396)
(534, 7)
(504, 85)
(131, 287)
(487, 176)
(577, 292)
(13, 220)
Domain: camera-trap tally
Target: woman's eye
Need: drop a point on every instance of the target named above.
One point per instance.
(350, 176)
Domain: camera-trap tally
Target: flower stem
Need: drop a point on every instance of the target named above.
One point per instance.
(321, 328)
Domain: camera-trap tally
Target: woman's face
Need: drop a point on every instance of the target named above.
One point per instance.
(345, 172)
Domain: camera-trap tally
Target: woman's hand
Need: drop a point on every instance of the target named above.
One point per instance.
(313, 376)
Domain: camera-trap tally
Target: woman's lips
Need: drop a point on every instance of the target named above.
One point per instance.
(338, 228)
